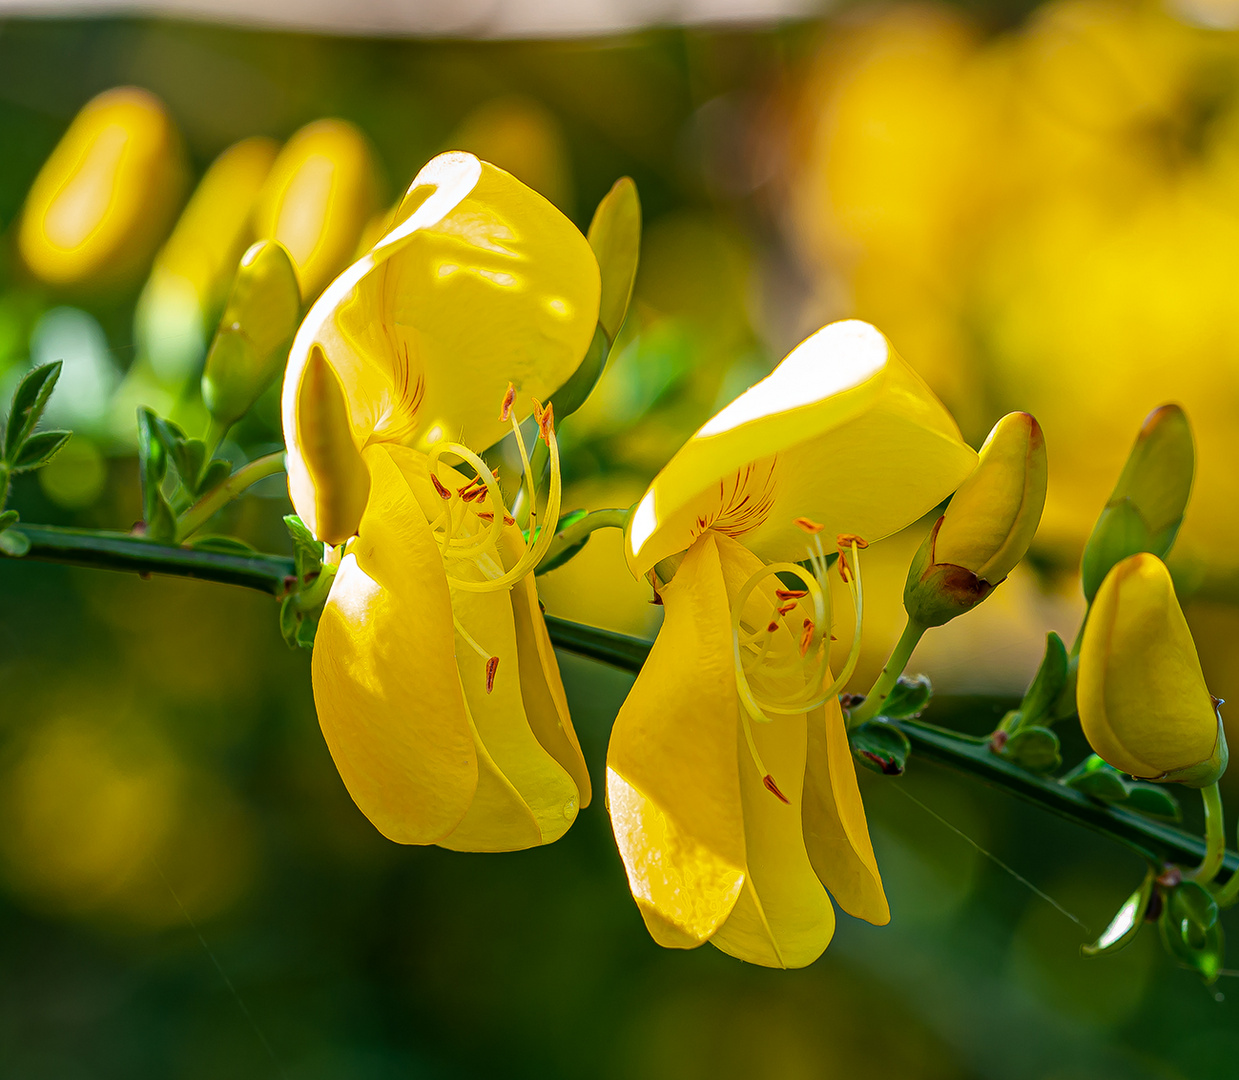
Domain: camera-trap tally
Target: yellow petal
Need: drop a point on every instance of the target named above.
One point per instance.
(783, 917)
(546, 704)
(1142, 698)
(479, 283)
(319, 196)
(105, 197)
(835, 830)
(843, 432)
(673, 785)
(327, 479)
(385, 681)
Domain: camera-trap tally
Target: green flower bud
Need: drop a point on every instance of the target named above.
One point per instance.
(251, 344)
(1146, 507)
(987, 527)
(1141, 695)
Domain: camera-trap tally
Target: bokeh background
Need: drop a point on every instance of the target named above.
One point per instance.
(1039, 205)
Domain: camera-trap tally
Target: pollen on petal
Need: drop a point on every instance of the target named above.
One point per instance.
(443, 492)
(492, 665)
(808, 525)
(773, 788)
(509, 399)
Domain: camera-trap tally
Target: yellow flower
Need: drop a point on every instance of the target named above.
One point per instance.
(105, 198)
(1142, 698)
(730, 784)
(320, 195)
(986, 529)
(434, 679)
(193, 270)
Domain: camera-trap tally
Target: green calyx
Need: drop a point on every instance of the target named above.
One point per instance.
(936, 593)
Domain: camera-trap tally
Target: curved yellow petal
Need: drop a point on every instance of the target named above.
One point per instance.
(836, 833)
(479, 283)
(783, 917)
(546, 704)
(384, 671)
(843, 432)
(319, 196)
(673, 779)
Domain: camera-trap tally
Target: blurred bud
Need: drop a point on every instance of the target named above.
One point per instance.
(335, 467)
(105, 198)
(615, 236)
(1141, 695)
(524, 138)
(191, 274)
(251, 344)
(1146, 507)
(320, 194)
(987, 527)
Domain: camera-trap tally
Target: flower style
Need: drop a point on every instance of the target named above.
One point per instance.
(434, 680)
(730, 784)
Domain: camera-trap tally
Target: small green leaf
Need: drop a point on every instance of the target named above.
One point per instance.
(1100, 780)
(307, 628)
(571, 396)
(880, 747)
(307, 551)
(1047, 684)
(157, 512)
(227, 545)
(290, 621)
(29, 401)
(1154, 800)
(909, 697)
(189, 455)
(14, 543)
(1191, 931)
(1191, 903)
(214, 474)
(1126, 923)
(39, 449)
(1033, 748)
(9, 517)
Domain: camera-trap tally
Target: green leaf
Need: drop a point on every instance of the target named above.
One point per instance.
(7, 518)
(880, 747)
(39, 449)
(227, 545)
(1191, 931)
(13, 543)
(157, 512)
(29, 401)
(307, 628)
(571, 396)
(1033, 748)
(561, 557)
(1097, 778)
(1047, 684)
(909, 697)
(1154, 800)
(290, 620)
(214, 474)
(189, 456)
(1126, 923)
(307, 551)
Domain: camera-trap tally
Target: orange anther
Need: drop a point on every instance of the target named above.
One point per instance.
(474, 495)
(806, 638)
(772, 628)
(791, 594)
(787, 607)
(545, 418)
(509, 399)
(843, 568)
(492, 665)
(846, 540)
(486, 516)
(808, 525)
(508, 519)
(773, 788)
(443, 492)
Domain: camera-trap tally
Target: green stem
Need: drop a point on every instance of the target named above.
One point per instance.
(1152, 840)
(898, 660)
(578, 532)
(217, 498)
(1215, 836)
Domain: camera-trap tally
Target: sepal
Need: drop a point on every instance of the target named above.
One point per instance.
(1126, 923)
(880, 747)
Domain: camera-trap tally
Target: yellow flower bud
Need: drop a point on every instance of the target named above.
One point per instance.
(1147, 505)
(339, 482)
(190, 278)
(992, 518)
(251, 345)
(1140, 692)
(987, 527)
(105, 198)
(320, 195)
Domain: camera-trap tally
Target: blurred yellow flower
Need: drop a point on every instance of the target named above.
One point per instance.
(436, 686)
(104, 199)
(1142, 698)
(739, 848)
(320, 194)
